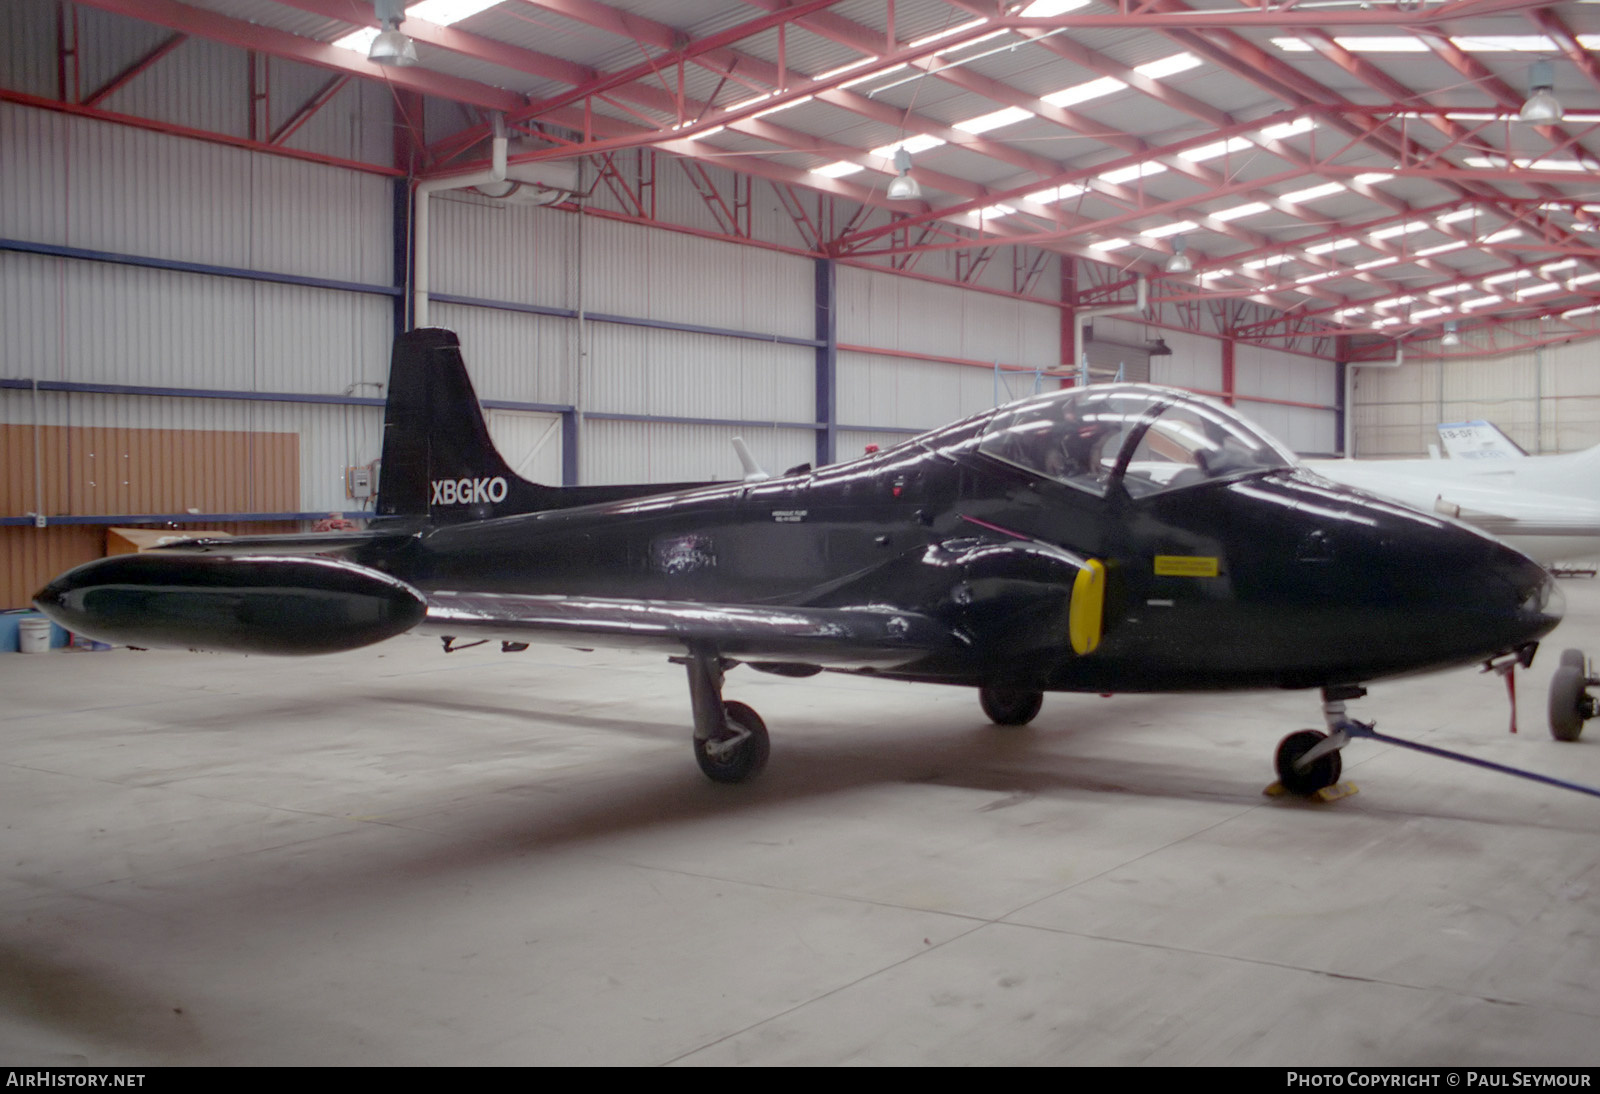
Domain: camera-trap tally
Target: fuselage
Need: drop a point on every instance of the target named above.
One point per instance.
(1266, 575)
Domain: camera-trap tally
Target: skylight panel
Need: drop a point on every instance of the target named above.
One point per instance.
(1110, 244)
(994, 212)
(1482, 301)
(1396, 43)
(1137, 171)
(1168, 66)
(1043, 9)
(781, 106)
(1287, 129)
(1055, 193)
(1580, 311)
(1312, 278)
(1501, 236)
(1270, 260)
(1427, 313)
(837, 170)
(928, 39)
(1460, 214)
(921, 142)
(1537, 290)
(985, 122)
(1161, 231)
(1429, 252)
(1504, 43)
(1212, 151)
(1399, 230)
(1212, 275)
(1082, 93)
(1332, 245)
(1585, 279)
(1451, 290)
(1545, 164)
(842, 69)
(1393, 302)
(1512, 275)
(869, 76)
(1388, 260)
(1246, 210)
(440, 13)
(1551, 267)
(1312, 193)
(1371, 177)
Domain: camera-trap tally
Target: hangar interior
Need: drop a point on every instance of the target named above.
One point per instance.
(820, 225)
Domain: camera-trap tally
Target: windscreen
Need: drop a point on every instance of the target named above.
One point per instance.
(1191, 442)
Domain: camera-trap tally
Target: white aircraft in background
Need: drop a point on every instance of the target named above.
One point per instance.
(1548, 507)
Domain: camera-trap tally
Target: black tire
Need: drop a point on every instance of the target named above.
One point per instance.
(1010, 706)
(744, 760)
(1567, 701)
(1325, 771)
(1576, 659)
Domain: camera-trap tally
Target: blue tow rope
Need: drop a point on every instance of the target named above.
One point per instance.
(1363, 729)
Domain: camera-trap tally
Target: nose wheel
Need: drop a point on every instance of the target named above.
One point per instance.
(1570, 702)
(1301, 776)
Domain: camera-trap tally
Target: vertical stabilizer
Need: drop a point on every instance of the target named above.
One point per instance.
(438, 460)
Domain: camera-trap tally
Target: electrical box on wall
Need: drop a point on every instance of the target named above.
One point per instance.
(358, 482)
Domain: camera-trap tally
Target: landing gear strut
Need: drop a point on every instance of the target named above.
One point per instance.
(730, 739)
(1308, 760)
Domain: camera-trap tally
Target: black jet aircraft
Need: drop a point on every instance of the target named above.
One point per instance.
(1122, 538)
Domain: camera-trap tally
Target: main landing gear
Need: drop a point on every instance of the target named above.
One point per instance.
(1570, 704)
(1010, 706)
(730, 739)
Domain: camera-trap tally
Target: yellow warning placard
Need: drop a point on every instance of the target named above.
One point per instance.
(1186, 566)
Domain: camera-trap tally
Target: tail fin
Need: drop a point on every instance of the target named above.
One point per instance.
(438, 460)
(1478, 440)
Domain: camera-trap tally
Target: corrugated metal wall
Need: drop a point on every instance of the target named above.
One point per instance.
(1546, 399)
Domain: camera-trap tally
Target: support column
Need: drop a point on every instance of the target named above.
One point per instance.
(827, 333)
(407, 113)
(1228, 385)
(1069, 316)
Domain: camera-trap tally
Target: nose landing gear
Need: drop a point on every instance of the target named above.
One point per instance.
(1570, 703)
(1308, 761)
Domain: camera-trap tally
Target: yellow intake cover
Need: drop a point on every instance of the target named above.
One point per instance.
(1086, 613)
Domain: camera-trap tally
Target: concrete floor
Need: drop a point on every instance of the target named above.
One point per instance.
(398, 857)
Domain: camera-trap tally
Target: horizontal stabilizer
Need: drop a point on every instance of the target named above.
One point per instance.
(864, 637)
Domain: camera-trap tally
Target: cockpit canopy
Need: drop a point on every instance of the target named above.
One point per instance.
(1145, 439)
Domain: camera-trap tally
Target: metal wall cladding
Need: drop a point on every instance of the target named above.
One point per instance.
(1274, 374)
(501, 251)
(27, 47)
(1547, 399)
(514, 356)
(880, 309)
(623, 451)
(642, 370)
(84, 183)
(876, 390)
(92, 322)
(1195, 363)
(653, 274)
(1301, 429)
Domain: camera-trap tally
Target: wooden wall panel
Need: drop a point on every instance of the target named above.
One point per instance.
(104, 471)
(94, 470)
(30, 557)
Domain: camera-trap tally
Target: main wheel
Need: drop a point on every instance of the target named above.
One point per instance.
(1576, 659)
(1305, 781)
(1568, 703)
(1010, 706)
(742, 754)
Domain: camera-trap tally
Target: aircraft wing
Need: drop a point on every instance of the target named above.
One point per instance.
(861, 637)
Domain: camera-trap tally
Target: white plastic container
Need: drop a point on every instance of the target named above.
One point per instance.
(33, 634)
